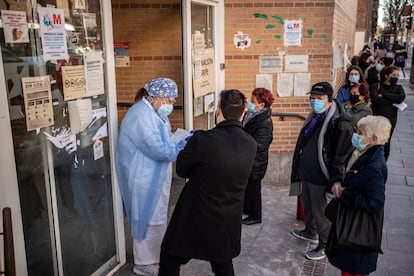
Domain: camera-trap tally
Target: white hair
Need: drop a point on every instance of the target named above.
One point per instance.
(377, 126)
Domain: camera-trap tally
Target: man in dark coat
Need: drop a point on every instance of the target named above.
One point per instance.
(319, 160)
(206, 222)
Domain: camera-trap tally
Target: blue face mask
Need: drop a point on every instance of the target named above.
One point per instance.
(251, 106)
(354, 78)
(357, 141)
(165, 110)
(318, 106)
(379, 67)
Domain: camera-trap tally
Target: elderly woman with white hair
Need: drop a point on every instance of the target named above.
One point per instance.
(363, 189)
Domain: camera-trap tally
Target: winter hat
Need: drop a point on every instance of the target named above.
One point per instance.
(162, 88)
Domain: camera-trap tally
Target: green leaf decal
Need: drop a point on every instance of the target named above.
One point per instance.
(270, 26)
(260, 15)
(324, 37)
(309, 31)
(278, 36)
(258, 41)
(278, 18)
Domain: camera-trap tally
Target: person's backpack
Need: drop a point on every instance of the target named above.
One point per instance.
(400, 59)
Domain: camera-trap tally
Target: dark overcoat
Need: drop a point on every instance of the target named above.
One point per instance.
(206, 222)
(364, 190)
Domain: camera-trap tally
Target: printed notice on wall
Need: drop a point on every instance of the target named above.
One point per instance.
(264, 81)
(73, 78)
(285, 85)
(121, 50)
(204, 74)
(198, 42)
(15, 26)
(89, 24)
(80, 114)
(38, 102)
(293, 33)
(296, 63)
(93, 73)
(79, 4)
(52, 26)
(270, 64)
(302, 84)
(198, 106)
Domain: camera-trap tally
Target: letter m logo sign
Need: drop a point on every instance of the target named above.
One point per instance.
(57, 20)
(296, 26)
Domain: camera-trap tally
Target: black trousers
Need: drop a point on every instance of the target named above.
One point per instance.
(170, 266)
(253, 199)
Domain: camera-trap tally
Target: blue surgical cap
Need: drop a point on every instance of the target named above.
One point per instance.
(162, 88)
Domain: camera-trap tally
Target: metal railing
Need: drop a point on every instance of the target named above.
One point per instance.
(9, 262)
(283, 115)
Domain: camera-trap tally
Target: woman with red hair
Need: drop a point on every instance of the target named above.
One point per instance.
(258, 123)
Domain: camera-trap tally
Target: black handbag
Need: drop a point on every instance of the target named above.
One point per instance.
(331, 209)
(358, 229)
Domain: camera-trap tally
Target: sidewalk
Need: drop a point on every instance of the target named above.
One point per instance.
(269, 248)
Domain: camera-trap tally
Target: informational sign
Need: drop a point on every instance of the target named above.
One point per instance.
(293, 33)
(80, 114)
(38, 102)
(74, 85)
(264, 81)
(270, 64)
(241, 40)
(301, 84)
(285, 85)
(198, 42)
(93, 73)
(52, 26)
(209, 103)
(79, 4)
(89, 24)
(121, 50)
(198, 106)
(296, 63)
(204, 73)
(15, 26)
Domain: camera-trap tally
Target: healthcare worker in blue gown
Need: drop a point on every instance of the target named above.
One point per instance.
(144, 156)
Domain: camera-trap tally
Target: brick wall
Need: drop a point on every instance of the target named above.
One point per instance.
(153, 30)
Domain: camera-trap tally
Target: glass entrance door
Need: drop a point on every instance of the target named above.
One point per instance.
(203, 48)
(57, 92)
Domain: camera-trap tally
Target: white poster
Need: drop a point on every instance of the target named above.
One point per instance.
(89, 24)
(94, 75)
(52, 26)
(270, 64)
(80, 114)
(73, 78)
(296, 63)
(204, 73)
(302, 84)
(285, 85)
(264, 81)
(293, 33)
(15, 26)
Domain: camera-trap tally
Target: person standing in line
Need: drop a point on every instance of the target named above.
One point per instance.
(206, 222)
(400, 56)
(358, 105)
(384, 98)
(143, 159)
(323, 146)
(354, 75)
(363, 189)
(258, 123)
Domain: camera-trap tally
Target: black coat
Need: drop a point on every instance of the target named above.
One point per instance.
(383, 105)
(260, 127)
(364, 190)
(206, 222)
(335, 150)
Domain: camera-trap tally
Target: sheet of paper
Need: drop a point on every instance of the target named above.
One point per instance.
(98, 151)
(38, 102)
(296, 63)
(99, 117)
(270, 64)
(401, 106)
(292, 33)
(301, 84)
(285, 85)
(80, 114)
(94, 73)
(179, 135)
(264, 81)
(52, 26)
(15, 26)
(209, 103)
(73, 78)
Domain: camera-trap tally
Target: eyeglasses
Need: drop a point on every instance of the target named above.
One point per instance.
(169, 100)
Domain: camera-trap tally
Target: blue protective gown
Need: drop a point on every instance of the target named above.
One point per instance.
(143, 155)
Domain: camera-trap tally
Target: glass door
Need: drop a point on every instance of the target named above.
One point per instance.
(203, 61)
(57, 61)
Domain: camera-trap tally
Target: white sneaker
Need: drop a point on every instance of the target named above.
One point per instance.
(146, 270)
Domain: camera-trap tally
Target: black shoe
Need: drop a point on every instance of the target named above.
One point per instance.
(250, 221)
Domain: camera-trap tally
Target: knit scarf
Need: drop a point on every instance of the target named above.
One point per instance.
(311, 126)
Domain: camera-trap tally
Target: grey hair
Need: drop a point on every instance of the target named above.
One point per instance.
(377, 126)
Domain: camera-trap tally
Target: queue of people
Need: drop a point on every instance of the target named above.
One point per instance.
(339, 137)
